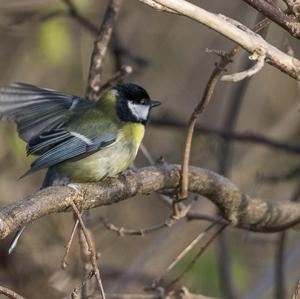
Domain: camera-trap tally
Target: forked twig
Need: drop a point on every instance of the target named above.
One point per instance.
(225, 59)
(100, 47)
(93, 254)
(202, 249)
(116, 78)
(260, 58)
(186, 250)
(64, 262)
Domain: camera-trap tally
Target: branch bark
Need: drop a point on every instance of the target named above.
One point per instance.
(9, 293)
(239, 209)
(277, 15)
(103, 37)
(236, 32)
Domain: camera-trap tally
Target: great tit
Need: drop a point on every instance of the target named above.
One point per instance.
(82, 140)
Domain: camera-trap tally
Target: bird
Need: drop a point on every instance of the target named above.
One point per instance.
(75, 138)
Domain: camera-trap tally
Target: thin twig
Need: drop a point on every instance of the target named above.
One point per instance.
(64, 262)
(93, 254)
(260, 58)
(9, 293)
(277, 15)
(225, 59)
(93, 90)
(158, 6)
(236, 32)
(121, 231)
(183, 192)
(186, 250)
(76, 291)
(191, 264)
(296, 293)
(116, 78)
(170, 221)
(88, 285)
(84, 22)
(279, 267)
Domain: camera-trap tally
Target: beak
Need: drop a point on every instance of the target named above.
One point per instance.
(154, 103)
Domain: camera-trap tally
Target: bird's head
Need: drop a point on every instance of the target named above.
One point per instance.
(133, 103)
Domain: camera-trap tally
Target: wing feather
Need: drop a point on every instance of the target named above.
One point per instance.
(36, 109)
(60, 145)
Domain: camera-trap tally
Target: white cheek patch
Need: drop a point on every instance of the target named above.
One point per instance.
(141, 112)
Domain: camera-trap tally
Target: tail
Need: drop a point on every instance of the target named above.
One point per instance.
(52, 178)
(15, 239)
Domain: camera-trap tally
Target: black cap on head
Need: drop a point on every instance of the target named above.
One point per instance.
(133, 103)
(133, 92)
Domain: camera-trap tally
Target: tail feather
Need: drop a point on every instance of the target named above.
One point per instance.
(15, 239)
(52, 178)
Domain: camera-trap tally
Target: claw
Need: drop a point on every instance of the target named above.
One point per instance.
(75, 187)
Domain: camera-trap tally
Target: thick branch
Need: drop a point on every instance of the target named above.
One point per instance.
(277, 15)
(238, 33)
(241, 210)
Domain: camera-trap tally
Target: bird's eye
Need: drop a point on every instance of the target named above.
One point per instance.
(143, 102)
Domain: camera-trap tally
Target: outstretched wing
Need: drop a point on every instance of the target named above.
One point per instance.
(60, 145)
(36, 109)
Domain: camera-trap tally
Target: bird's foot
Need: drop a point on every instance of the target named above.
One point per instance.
(75, 187)
(78, 197)
(130, 170)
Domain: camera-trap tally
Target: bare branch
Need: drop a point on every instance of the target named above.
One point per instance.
(84, 22)
(270, 10)
(238, 208)
(238, 33)
(293, 7)
(9, 293)
(157, 6)
(260, 58)
(116, 78)
(92, 251)
(121, 231)
(296, 293)
(213, 79)
(225, 59)
(64, 262)
(95, 73)
(186, 250)
(200, 252)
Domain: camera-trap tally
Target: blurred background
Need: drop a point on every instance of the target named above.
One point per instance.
(43, 46)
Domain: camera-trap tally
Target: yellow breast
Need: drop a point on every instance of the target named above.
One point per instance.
(134, 133)
(110, 160)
